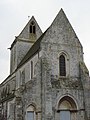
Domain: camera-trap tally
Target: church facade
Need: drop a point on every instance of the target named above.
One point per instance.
(48, 78)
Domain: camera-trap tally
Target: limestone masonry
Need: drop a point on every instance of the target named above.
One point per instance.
(48, 78)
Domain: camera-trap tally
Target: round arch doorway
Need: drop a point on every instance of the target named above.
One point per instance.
(67, 109)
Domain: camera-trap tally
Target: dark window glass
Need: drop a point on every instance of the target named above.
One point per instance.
(32, 28)
(31, 69)
(62, 65)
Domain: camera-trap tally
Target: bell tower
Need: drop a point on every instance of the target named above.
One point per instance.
(23, 42)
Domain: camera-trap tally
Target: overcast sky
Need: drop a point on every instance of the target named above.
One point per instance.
(14, 16)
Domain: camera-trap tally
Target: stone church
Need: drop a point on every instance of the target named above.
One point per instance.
(48, 77)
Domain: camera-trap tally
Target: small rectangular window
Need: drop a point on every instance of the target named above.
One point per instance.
(64, 115)
(34, 29)
(30, 115)
(30, 28)
(31, 69)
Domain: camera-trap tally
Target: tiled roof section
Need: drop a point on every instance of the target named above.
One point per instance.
(33, 50)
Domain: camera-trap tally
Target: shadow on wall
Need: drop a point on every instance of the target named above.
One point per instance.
(2, 117)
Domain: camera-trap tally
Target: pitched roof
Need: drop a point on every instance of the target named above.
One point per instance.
(32, 51)
(60, 21)
(25, 33)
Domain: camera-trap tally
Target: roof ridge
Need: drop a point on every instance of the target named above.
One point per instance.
(34, 49)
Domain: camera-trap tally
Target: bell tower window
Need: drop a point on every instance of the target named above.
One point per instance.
(32, 28)
(62, 65)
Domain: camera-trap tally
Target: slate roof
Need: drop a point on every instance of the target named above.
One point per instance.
(25, 29)
(32, 51)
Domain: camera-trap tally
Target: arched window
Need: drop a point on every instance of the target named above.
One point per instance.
(32, 28)
(62, 65)
(31, 113)
(67, 109)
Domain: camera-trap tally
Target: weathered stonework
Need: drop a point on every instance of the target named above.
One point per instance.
(35, 86)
